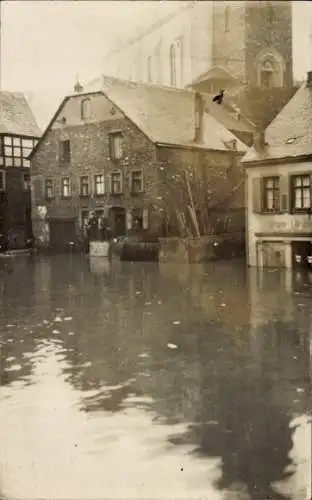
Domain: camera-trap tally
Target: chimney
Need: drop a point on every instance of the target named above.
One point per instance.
(259, 140)
(199, 117)
(309, 79)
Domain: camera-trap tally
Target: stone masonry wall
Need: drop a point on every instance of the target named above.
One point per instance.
(217, 175)
(90, 156)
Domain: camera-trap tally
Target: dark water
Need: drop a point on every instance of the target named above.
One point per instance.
(154, 381)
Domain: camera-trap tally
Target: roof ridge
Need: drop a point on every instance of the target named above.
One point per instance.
(151, 85)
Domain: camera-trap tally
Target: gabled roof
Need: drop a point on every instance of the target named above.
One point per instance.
(16, 116)
(164, 114)
(289, 136)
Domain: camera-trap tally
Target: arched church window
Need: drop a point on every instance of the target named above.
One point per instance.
(270, 72)
(173, 69)
(267, 75)
(226, 18)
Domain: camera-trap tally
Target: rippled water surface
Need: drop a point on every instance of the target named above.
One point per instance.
(154, 381)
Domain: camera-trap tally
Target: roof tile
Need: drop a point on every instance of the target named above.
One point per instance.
(16, 116)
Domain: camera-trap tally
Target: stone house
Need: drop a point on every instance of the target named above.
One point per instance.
(134, 153)
(19, 133)
(279, 187)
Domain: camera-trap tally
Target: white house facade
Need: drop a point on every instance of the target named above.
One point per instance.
(279, 188)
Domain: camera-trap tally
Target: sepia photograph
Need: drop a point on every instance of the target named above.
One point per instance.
(155, 250)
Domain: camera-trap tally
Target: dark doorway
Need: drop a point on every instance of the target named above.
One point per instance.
(63, 235)
(301, 251)
(118, 215)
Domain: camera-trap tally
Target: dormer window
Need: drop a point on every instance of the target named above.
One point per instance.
(86, 109)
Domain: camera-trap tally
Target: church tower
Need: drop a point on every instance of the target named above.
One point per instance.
(252, 43)
(253, 40)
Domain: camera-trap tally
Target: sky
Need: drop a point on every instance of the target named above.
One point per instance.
(45, 44)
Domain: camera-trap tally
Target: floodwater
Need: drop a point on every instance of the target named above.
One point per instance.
(136, 381)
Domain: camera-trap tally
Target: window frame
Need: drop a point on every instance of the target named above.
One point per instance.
(132, 173)
(83, 184)
(63, 195)
(64, 158)
(84, 210)
(113, 135)
(83, 115)
(95, 183)
(275, 189)
(15, 150)
(302, 188)
(48, 180)
(120, 191)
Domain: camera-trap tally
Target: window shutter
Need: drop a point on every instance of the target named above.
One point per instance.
(256, 195)
(129, 220)
(74, 186)
(54, 186)
(57, 187)
(145, 218)
(110, 183)
(284, 193)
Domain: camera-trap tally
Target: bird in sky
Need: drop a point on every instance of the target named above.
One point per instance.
(219, 97)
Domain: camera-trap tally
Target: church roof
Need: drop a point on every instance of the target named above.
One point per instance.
(290, 134)
(165, 115)
(16, 116)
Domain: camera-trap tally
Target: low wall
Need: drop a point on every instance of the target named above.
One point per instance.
(186, 250)
(205, 248)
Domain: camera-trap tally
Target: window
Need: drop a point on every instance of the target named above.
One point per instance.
(137, 181)
(65, 151)
(48, 189)
(26, 181)
(2, 180)
(271, 192)
(173, 72)
(139, 219)
(65, 187)
(86, 109)
(226, 18)
(116, 182)
(99, 185)
(301, 192)
(84, 218)
(84, 185)
(16, 151)
(115, 145)
(266, 75)
(270, 71)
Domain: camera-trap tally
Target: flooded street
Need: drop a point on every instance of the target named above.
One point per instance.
(140, 381)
